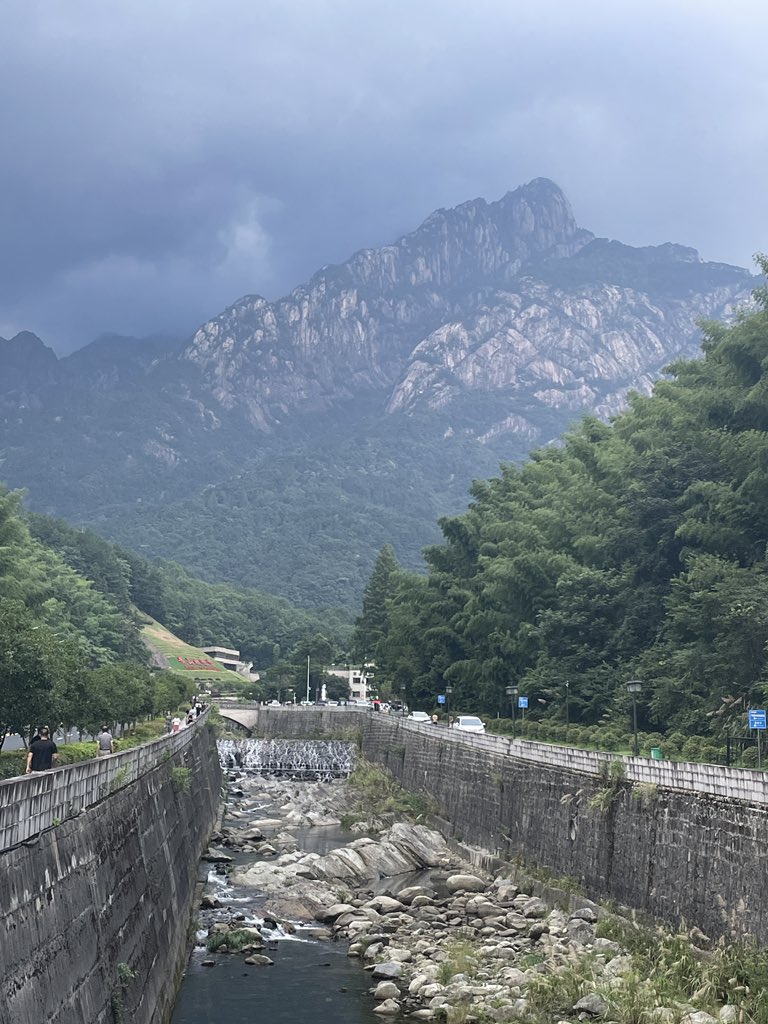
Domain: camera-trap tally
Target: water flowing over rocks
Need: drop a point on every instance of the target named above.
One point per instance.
(299, 759)
(442, 941)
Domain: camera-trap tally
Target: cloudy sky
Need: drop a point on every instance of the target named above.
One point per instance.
(161, 158)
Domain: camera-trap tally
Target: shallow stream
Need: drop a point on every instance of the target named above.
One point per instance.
(310, 980)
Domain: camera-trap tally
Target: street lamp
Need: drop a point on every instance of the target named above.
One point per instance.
(512, 692)
(567, 707)
(634, 686)
(403, 709)
(448, 692)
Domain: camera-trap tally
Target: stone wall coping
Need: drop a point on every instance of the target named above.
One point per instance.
(715, 779)
(31, 803)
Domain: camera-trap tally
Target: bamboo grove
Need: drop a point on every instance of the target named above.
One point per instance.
(635, 549)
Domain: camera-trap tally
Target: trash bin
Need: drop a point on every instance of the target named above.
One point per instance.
(656, 754)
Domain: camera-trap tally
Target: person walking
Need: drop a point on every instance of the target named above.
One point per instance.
(42, 753)
(105, 743)
(175, 724)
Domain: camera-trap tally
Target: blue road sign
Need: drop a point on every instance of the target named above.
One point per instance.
(756, 719)
(522, 702)
(441, 698)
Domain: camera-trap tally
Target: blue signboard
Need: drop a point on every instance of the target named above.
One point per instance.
(756, 719)
(522, 702)
(441, 698)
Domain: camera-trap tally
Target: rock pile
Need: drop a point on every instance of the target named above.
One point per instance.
(458, 946)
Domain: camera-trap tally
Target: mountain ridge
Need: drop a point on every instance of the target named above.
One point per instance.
(286, 441)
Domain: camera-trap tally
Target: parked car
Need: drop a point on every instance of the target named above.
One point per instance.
(468, 723)
(274, 704)
(419, 716)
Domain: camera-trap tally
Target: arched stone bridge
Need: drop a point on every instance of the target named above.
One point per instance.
(245, 717)
(296, 722)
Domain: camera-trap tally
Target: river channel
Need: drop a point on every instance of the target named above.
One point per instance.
(310, 979)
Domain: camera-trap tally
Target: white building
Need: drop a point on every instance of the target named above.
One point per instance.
(231, 659)
(359, 680)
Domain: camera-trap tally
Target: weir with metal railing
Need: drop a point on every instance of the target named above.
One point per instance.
(317, 760)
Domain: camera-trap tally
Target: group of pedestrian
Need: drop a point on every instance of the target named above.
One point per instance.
(43, 754)
(175, 724)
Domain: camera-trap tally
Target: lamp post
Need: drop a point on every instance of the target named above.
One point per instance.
(448, 692)
(307, 679)
(403, 709)
(567, 707)
(634, 686)
(512, 692)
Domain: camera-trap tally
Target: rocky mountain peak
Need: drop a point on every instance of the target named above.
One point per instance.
(387, 383)
(354, 325)
(24, 360)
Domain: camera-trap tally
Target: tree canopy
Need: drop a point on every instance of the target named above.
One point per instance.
(633, 550)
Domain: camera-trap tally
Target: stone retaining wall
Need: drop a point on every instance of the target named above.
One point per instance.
(31, 803)
(680, 841)
(661, 845)
(95, 910)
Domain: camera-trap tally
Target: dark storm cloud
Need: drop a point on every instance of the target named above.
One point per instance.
(160, 159)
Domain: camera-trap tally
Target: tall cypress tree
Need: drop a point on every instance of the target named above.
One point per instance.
(373, 625)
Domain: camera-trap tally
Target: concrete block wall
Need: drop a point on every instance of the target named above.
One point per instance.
(672, 847)
(95, 911)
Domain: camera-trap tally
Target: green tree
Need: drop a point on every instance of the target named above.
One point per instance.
(372, 627)
(36, 672)
(635, 548)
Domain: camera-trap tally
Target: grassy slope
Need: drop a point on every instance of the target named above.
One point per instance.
(160, 641)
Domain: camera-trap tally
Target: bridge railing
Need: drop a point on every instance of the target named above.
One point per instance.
(31, 803)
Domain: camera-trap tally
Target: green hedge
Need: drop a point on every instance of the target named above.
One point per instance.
(13, 762)
(675, 746)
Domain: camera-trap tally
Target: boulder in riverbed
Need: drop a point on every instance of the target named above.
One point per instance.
(466, 883)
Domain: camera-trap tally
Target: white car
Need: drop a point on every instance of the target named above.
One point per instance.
(468, 723)
(419, 716)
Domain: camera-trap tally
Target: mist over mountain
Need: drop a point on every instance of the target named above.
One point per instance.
(286, 442)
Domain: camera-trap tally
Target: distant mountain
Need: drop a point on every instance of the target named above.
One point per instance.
(25, 361)
(286, 442)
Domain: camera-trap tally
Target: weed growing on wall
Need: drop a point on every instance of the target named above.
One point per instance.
(180, 779)
(125, 974)
(645, 793)
(119, 779)
(377, 795)
(613, 777)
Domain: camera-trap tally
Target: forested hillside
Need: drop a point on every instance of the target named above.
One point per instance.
(70, 612)
(637, 550)
(260, 626)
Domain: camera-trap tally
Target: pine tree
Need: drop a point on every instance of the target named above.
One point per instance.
(373, 625)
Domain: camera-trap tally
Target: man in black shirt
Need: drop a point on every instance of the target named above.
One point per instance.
(42, 753)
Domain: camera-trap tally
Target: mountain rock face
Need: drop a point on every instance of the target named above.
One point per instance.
(460, 307)
(286, 442)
